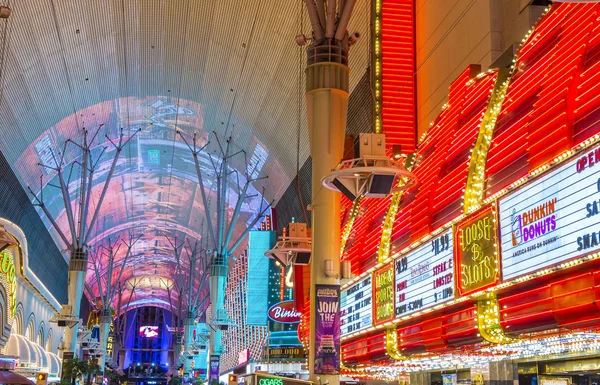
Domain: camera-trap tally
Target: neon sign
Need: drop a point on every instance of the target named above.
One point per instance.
(8, 268)
(383, 295)
(270, 381)
(476, 254)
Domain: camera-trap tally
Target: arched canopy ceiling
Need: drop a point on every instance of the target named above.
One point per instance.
(214, 68)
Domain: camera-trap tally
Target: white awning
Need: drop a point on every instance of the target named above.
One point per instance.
(31, 355)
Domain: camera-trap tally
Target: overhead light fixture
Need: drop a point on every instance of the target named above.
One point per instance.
(372, 174)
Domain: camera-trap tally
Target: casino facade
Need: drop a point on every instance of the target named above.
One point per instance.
(488, 269)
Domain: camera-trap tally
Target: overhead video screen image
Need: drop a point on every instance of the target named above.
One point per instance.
(153, 195)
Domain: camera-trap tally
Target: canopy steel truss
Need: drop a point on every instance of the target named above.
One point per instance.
(80, 228)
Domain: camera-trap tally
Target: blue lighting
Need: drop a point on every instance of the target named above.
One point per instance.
(139, 364)
(153, 364)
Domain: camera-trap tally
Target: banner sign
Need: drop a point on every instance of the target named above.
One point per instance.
(214, 372)
(327, 329)
(425, 276)
(552, 219)
(356, 304)
(383, 295)
(476, 253)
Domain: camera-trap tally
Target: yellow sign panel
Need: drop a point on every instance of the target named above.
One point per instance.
(383, 295)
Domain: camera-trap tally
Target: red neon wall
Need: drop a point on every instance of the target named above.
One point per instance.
(443, 160)
(552, 104)
(397, 73)
(552, 101)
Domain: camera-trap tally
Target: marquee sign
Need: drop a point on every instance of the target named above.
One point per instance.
(552, 219)
(356, 304)
(425, 276)
(476, 253)
(383, 294)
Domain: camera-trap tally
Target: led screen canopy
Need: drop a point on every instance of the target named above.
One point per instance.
(154, 192)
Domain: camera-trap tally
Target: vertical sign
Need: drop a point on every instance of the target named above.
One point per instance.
(327, 329)
(213, 374)
(383, 295)
(110, 340)
(476, 253)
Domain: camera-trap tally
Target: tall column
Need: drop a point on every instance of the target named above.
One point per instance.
(218, 279)
(105, 321)
(327, 107)
(77, 267)
(188, 338)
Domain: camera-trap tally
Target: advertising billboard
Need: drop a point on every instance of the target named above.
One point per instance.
(551, 219)
(327, 330)
(425, 276)
(357, 306)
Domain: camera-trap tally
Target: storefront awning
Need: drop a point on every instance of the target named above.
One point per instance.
(32, 357)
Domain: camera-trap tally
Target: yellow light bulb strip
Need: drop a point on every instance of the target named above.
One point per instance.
(376, 64)
(348, 228)
(474, 188)
(488, 320)
(383, 253)
(391, 344)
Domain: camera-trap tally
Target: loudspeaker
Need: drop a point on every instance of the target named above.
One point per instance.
(340, 186)
(381, 184)
(302, 258)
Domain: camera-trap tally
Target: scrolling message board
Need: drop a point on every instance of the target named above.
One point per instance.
(476, 253)
(383, 295)
(425, 276)
(552, 219)
(356, 304)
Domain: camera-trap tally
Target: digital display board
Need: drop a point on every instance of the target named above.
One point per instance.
(257, 293)
(357, 306)
(552, 219)
(425, 276)
(383, 294)
(476, 252)
(149, 331)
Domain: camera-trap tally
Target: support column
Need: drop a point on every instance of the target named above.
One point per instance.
(105, 321)
(504, 373)
(327, 107)
(188, 338)
(77, 267)
(218, 279)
